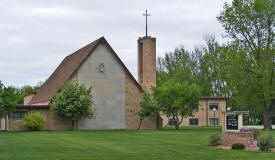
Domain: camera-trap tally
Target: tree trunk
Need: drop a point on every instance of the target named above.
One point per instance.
(177, 125)
(267, 117)
(72, 125)
(140, 121)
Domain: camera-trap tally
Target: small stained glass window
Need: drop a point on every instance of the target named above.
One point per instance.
(101, 67)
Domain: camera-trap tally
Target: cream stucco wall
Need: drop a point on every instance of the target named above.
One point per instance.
(108, 89)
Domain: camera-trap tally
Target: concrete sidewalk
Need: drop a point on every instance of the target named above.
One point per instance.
(258, 127)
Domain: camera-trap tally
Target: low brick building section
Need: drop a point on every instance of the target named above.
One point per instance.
(245, 138)
(205, 116)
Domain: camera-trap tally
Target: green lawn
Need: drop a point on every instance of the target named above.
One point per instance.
(169, 144)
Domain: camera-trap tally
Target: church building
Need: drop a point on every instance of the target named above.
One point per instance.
(115, 90)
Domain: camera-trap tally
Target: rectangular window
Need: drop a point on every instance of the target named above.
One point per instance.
(172, 122)
(18, 114)
(214, 121)
(193, 122)
(214, 105)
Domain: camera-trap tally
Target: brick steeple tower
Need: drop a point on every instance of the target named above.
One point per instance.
(147, 61)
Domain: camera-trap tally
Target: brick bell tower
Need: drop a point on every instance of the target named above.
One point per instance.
(147, 62)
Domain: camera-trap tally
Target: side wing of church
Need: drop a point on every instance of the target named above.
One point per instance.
(114, 89)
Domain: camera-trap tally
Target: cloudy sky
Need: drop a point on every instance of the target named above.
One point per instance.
(36, 35)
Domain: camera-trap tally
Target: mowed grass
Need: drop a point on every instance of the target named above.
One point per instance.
(188, 143)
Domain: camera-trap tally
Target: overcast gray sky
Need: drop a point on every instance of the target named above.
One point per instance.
(36, 35)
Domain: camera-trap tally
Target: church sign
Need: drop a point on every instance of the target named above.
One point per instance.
(232, 122)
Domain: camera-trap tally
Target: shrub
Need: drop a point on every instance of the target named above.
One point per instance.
(35, 122)
(265, 142)
(215, 140)
(256, 132)
(238, 146)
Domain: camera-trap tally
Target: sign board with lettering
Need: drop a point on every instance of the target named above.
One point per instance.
(232, 122)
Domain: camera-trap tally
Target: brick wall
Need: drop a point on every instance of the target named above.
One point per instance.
(204, 113)
(51, 122)
(230, 138)
(132, 103)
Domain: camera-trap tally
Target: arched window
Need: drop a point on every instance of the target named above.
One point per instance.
(101, 68)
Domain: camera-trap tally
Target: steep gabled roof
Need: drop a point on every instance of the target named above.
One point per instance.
(68, 67)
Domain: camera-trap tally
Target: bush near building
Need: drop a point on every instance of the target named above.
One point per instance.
(265, 142)
(238, 146)
(35, 122)
(215, 140)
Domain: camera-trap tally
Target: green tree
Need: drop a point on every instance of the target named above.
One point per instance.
(250, 66)
(1, 85)
(9, 97)
(175, 65)
(210, 68)
(200, 71)
(198, 67)
(178, 100)
(148, 108)
(73, 102)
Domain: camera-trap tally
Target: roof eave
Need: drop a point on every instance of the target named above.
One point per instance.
(29, 106)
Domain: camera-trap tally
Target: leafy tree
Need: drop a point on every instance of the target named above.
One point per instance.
(178, 100)
(249, 65)
(210, 67)
(1, 90)
(9, 97)
(148, 108)
(175, 65)
(1, 86)
(73, 102)
(201, 67)
(200, 71)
